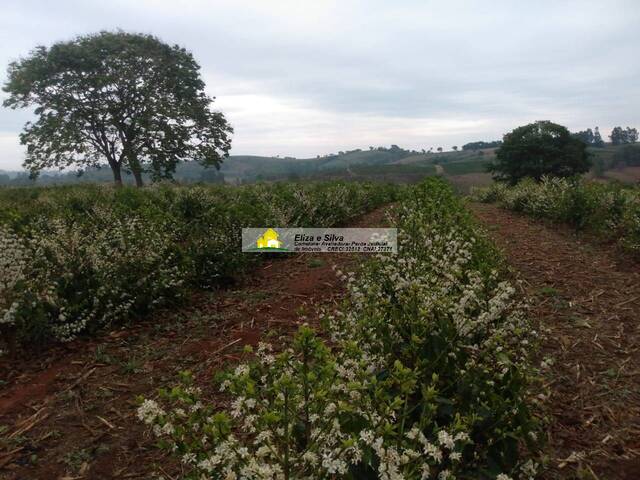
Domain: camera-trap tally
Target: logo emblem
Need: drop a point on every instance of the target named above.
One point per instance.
(269, 241)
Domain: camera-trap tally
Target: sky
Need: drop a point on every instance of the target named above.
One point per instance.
(310, 77)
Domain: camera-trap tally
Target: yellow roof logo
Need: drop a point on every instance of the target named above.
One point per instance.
(269, 239)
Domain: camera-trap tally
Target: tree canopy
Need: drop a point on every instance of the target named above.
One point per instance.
(590, 137)
(129, 99)
(481, 144)
(621, 135)
(539, 149)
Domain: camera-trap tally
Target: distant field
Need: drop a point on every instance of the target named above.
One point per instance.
(378, 173)
(419, 158)
(465, 167)
(606, 153)
(394, 168)
(448, 157)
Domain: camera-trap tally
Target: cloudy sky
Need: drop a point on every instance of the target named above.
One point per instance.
(308, 77)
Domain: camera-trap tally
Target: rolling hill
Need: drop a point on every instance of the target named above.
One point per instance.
(393, 164)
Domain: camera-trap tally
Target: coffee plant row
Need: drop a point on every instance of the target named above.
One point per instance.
(424, 372)
(76, 259)
(610, 211)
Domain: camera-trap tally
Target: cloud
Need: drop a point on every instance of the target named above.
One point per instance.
(306, 78)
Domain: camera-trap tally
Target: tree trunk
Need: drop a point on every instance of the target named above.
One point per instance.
(137, 174)
(117, 175)
(136, 169)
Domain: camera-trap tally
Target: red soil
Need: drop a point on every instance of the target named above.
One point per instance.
(587, 300)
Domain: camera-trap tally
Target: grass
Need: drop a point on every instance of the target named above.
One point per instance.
(131, 366)
(424, 169)
(101, 355)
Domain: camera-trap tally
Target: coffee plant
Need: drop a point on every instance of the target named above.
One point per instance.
(76, 259)
(609, 210)
(424, 372)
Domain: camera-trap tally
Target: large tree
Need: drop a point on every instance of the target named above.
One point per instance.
(538, 149)
(618, 136)
(591, 137)
(621, 135)
(129, 99)
(597, 139)
(586, 136)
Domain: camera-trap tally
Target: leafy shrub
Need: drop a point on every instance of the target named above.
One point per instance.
(609, 210)
(493, 193)
(426, 376)
(75, 259)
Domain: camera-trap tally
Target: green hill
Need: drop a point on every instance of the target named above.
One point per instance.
(385, 164)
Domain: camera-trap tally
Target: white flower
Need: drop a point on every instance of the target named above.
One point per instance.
(149, 411)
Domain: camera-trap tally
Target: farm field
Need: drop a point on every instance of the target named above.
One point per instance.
(78, 399)
(608, 211)
(73, 409)
(628, 175)
(411, 367)
(319, 241)
(147, 247)
(575, 243)
(466, 182)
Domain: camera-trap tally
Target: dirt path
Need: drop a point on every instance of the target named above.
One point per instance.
(71, 414)
(589, 303)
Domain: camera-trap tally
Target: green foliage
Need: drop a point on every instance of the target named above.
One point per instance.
(426, 374)
(590, 137)
(539, 149)
(74, 259)
(621, 135)
(609, 210)
(127, 99)
(586, 136)
(481, 144)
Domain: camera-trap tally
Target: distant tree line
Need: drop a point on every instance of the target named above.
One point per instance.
(480, 145)
(186, 172)
(620, 136)
(590, 137)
